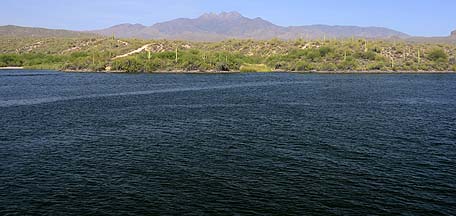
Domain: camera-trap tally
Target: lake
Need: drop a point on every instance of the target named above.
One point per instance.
(230, 144)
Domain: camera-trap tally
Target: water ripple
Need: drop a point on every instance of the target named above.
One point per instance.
(24, 102)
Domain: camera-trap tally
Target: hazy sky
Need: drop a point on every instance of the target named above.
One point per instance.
(415, 17)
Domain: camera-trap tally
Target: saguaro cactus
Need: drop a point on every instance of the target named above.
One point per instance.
(392, 62)
(419, 56)
(204, 57)
(177, 54)
(404, 55)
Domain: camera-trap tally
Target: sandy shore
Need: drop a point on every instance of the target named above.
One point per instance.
(11, 68)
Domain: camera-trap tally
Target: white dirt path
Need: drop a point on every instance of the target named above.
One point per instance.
(133, 52)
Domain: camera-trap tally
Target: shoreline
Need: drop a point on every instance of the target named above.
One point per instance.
(381, 72)
(238, 72)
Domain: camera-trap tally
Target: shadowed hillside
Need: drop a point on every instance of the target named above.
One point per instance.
(18, 31)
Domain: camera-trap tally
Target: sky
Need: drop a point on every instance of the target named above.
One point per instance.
(414, 17)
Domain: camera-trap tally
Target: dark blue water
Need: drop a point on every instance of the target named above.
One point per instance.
(266, 144)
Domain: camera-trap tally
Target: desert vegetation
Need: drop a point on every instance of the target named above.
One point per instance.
(134, 55)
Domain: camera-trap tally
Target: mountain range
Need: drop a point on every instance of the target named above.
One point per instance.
(225, 25)
(214, 27)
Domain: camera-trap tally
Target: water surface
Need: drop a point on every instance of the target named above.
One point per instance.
(269, 143)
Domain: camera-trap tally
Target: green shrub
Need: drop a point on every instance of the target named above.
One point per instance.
(304, 66)
(313, 55)
(79, 55)
(438, 55)
(153, 65)
(222, 66)
(348, 64)
(281, 65)
(369, 55)
(97, 66)
(11, 60)
(376, 66)
(130, 65)
(46, 67)
(324, 51)
(327, 67)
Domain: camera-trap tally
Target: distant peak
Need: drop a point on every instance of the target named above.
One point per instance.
(128, 25)
(231, 14)
(222, 15)
(453, 33)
